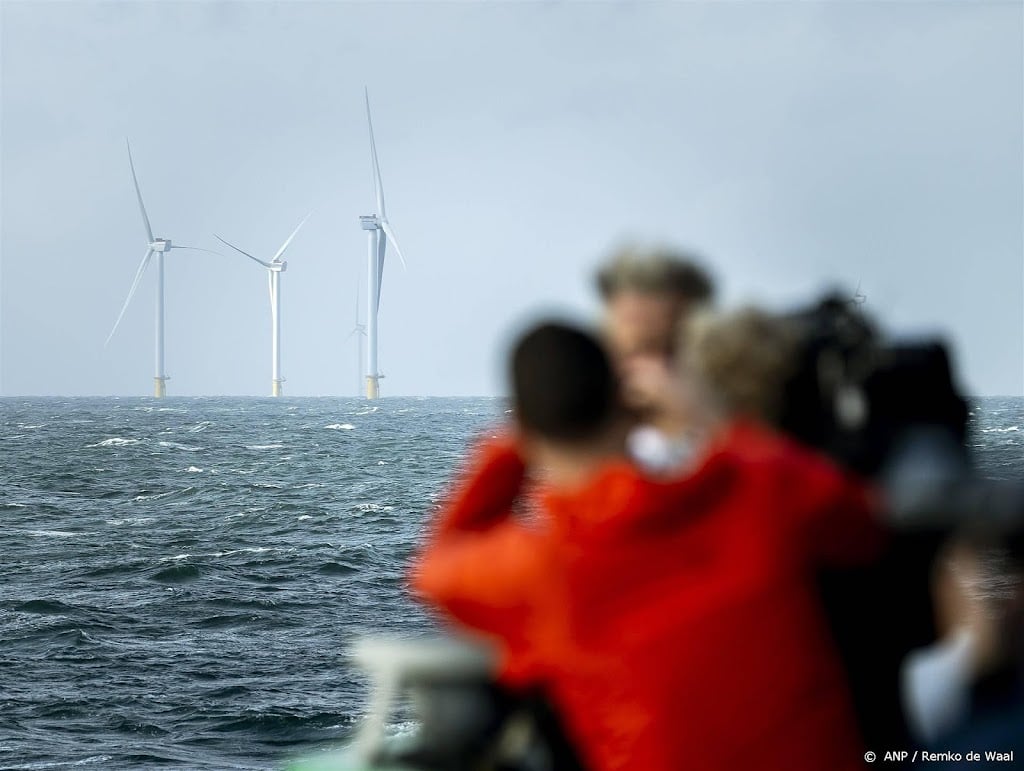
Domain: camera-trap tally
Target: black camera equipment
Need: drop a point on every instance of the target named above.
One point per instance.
(858, 398)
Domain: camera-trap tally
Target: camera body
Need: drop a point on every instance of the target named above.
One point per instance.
(856, 397)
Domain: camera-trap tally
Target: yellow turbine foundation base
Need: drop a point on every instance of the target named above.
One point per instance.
(275, 388)
(372, 387)
(159, 387)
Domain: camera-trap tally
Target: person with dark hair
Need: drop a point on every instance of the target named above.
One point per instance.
(647, 294)
(566, 424)
(563, 387)
(671, 623)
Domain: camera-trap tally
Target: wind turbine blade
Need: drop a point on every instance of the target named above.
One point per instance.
(386, 226)
(131, 293)
(138, 194)
(286, 243)
(378, 185)
(198, 249)
(254, 259)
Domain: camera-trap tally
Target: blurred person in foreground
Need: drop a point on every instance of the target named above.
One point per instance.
(672, 623)
(965, 692)
(647, 295)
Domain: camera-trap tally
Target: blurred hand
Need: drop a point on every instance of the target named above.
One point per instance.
(962, 602)
(651, 386)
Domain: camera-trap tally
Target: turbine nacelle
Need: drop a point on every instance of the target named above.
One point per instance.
(279, 267)
(369, 222)
(160, 245)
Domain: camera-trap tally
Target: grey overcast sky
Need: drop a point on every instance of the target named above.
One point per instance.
(793, 144)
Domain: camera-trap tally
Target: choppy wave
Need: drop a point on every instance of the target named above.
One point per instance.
(131, 521)
(161, 496)
(54, 534)
(178, 574)
(340, 427)
(116, 441)
(374, 507)
(179, 446)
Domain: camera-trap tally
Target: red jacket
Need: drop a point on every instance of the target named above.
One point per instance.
(674, 624)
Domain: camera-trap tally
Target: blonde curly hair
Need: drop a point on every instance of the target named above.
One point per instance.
(740, 359)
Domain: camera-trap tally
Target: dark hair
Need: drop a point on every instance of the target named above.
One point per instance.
(563, 387)
(657, 272)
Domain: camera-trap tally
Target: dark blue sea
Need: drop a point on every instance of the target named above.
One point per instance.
(180, 579)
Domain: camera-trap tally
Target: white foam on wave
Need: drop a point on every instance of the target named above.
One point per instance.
(366, 412)
(13, 506)
(64, 764)
(1000, 430)
(404, 728)
(158, 496)
(305, 516)
(198, 427)
(130, 521)
(264, 446)
(193, 470)
(382, 463)
(178, 446)
(116, 441)
(54, 534)
(227, 553)
(374, 507)
(340, 427)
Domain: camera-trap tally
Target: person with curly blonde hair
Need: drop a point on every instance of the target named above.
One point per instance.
(739, 361)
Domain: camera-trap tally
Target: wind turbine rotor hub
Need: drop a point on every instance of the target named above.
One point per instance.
(161, 245)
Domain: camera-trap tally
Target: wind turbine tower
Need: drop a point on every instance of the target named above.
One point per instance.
(378, 231)
(275, 268)
(158, 247)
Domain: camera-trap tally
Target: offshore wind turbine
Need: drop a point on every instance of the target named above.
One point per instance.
(358, 329)
(378, 231)
(275, 268)
(158, 247)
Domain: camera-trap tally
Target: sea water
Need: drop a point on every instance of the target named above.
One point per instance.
(180, 579)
